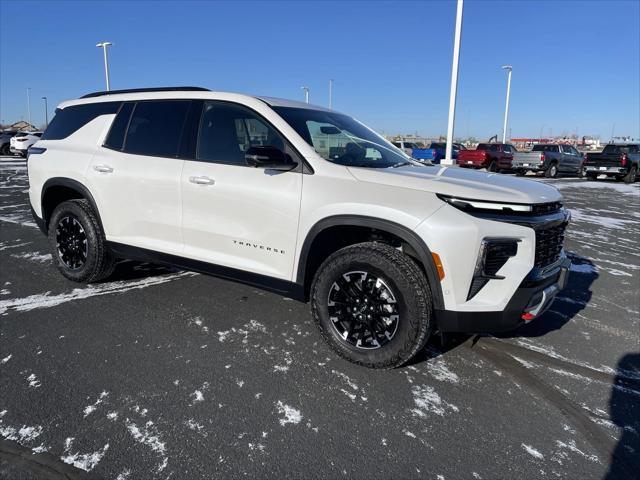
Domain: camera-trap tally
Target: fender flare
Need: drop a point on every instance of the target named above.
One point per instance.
(74, 185)
(400, 231)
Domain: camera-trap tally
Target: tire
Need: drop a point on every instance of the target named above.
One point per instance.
(493, 167)
(395, 286)
(5, 150)
(520, 173)
(72, 225)
(631, 176)
(552, 171)
(591, 178)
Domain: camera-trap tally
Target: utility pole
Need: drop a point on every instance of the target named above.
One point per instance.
(46, 112)
(330, 91)
(448, 160)
(306, 94)
(104, 46)
(508, 68)
(29, 104)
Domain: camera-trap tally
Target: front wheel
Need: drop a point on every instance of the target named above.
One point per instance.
(493, 167)
(520, 173)
(77, 243)
(373, 305)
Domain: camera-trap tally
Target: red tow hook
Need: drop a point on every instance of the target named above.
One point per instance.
(527, 316)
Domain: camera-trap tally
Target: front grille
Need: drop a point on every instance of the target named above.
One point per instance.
(549, 244)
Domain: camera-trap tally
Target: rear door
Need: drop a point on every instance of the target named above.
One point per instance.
(234, 215)
(135, 176)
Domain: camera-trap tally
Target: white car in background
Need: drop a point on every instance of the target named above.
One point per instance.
(20, 143)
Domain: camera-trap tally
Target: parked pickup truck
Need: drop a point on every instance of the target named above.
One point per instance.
(492, 156)
(548, 158)
(440, 150)
(415, 151)
(616, 160)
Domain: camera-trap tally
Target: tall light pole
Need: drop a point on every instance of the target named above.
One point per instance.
(508, 68)
(46, 112)
(330, 91)
(104, 46)
(448, 160)
(29, 105)
(306, 94)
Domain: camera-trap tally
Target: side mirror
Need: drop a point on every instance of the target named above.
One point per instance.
(269, 158)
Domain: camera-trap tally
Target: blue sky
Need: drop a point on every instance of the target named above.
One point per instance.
(576, 63)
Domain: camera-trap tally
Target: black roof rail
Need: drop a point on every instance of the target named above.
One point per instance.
(143, 90)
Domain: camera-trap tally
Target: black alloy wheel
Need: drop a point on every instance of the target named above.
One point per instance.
(71, 241)
(363, 310)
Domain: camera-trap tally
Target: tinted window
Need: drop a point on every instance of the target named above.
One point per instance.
(620, 149)
(71, 119)
(115, 138)
(227, 131)
(155, 128)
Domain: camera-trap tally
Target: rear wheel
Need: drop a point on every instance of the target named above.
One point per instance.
(77, 243)
(493, 166)
(591, 177)
(520, 173)
(372, 304)
(631, 176)
(552, 171)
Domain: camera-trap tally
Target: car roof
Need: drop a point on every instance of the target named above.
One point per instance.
(186, 93)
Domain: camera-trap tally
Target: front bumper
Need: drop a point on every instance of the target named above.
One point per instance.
(533, 297)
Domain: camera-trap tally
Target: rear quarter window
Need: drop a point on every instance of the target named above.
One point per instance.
(73, 118)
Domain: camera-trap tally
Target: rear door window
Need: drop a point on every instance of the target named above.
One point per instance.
(115, 138)
(156, 128)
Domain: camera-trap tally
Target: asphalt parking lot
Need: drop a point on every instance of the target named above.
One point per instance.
(166, 374)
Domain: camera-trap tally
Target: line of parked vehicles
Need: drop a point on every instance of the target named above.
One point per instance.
(618, 160)
(17, 142)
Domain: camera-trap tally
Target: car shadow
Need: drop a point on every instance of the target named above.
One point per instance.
(571, 301)
(624, 411)
(133, 270)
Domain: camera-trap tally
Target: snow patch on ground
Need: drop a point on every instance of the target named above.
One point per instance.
(46, 300)
(291, 415)
(428, 401)
(440, 371)
(149, 436)
(5, 359)
(532, 451)
(571, 446)
(85, 461)
(35, 257)
(33, 381)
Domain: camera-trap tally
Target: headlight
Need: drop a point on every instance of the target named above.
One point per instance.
(469, 205)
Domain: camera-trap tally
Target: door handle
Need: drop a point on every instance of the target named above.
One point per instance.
(103, 168)
(202, 180)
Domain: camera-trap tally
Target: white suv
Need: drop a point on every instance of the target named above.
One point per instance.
(302, 201)
(21, 142)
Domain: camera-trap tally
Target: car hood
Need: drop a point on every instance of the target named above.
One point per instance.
(461, 183)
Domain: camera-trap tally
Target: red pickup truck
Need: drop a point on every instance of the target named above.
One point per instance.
(492, 156)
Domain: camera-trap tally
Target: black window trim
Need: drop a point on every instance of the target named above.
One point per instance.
(133, 111)
(303, 165)
(194, 132)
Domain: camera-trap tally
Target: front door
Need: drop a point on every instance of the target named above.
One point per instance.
(235, 215)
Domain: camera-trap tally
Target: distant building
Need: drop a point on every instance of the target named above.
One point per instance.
(21, 125)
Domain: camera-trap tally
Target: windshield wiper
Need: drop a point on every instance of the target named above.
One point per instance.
(401, 164)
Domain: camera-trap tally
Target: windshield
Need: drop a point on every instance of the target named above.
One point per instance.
(341, 139)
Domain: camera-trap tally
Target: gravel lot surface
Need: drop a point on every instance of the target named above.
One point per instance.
(161, 374)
